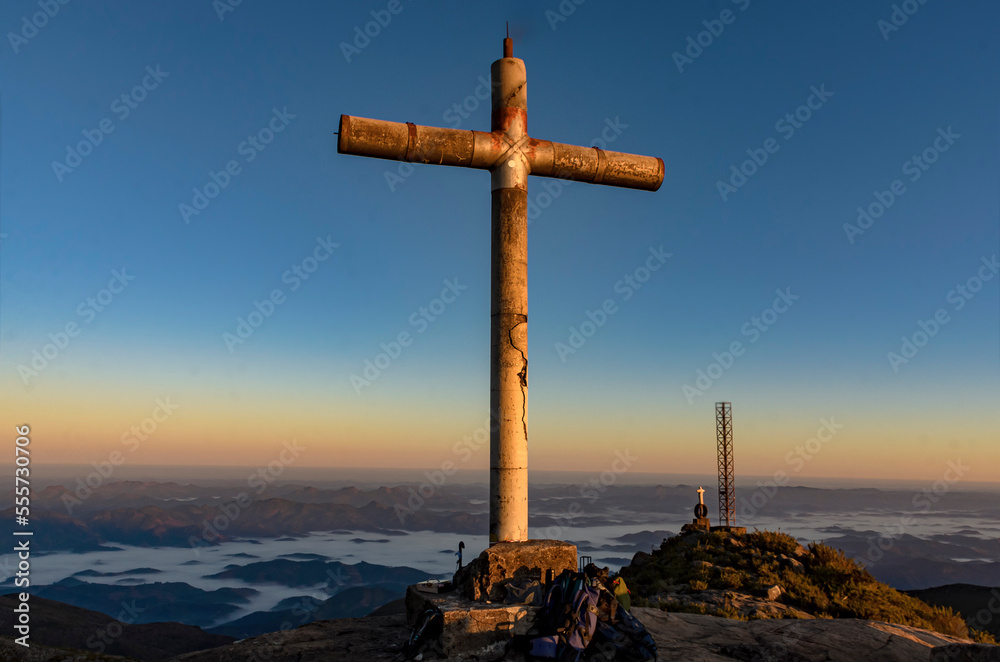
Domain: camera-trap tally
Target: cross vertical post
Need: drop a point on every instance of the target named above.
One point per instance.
(509, 303)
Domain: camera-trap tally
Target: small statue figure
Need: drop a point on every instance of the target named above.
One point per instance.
(700, 522)
(701, 510)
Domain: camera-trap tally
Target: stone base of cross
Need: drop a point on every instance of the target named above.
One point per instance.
(476, 615)
(510, 155)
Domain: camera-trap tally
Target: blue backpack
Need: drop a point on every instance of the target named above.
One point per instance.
(568, 619)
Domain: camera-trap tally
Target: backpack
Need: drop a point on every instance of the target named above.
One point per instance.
(568, 619)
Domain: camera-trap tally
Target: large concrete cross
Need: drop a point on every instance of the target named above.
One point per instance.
(510, 156)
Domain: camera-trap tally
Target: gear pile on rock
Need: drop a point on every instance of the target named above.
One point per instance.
(581, 619)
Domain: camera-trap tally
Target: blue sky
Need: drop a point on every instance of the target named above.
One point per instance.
(222, 76)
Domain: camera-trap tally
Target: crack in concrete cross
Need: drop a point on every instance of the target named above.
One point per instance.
(523, 374)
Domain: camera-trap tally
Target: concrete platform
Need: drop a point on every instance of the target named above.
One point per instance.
(476, 618)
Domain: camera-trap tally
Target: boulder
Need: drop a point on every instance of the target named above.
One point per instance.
(640, 559)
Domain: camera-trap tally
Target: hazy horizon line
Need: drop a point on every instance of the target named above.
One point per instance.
(54, 473)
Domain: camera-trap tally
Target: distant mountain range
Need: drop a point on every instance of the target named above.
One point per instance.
(142, 628)
(189, 524)
(62, 625)
(334, 574)
(154, 602)
(169, 514)
(909, 562)
(355, 590)
(172, 514)
(293, 612)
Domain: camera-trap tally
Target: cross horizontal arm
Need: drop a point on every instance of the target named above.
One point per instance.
(594, 165)
(401, 141)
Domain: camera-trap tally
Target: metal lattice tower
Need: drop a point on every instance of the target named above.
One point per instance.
(727, 492)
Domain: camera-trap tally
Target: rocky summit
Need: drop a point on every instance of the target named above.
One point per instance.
(767, 575)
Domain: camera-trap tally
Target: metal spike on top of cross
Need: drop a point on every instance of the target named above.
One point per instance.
(510, 155)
